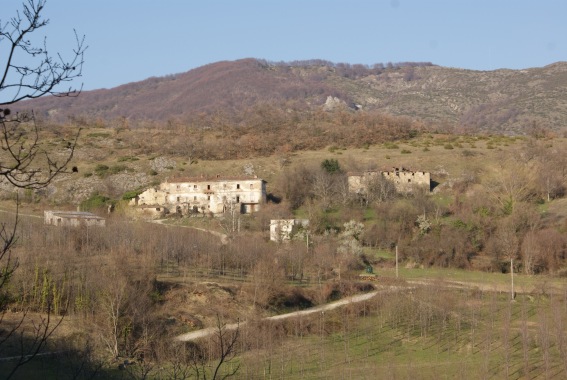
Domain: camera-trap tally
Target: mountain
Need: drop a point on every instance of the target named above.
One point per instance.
(499, 101)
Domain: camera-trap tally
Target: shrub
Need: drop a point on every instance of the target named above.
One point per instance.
(128, 158)
(130, 194)
(331, 166)
(96, 201)
(99, 134)
(118, 168)
(101, 170)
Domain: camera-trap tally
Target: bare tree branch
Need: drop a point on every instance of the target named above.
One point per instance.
(28, 71)
(41, 73)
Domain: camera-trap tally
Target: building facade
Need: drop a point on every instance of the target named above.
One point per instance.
(285, 229)
(73, 219)
(214, 195)
(404, 180)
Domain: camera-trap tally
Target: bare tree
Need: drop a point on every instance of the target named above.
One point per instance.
(324, 187)
(28, 71)
(510, 186)
(224, 346)
(378, 189)
(226, 342)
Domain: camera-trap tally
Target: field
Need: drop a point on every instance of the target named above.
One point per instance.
(427, 332)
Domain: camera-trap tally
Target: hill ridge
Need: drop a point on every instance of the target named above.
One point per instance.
(500, 101)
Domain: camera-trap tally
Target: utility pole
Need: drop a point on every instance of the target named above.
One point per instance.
(512, 277)
(396, 261)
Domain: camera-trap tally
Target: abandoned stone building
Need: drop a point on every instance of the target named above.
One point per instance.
(285, 229)
(404, 180)
(73, 219)
(214, 195)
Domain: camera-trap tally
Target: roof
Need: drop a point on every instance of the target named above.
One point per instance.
(392, 170)
(75, 214)
(214, 179)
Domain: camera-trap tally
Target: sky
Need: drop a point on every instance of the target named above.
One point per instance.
(132, 40)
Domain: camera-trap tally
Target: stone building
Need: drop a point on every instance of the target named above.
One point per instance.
(285, 229)
(205, 195)
(73, 219)
(404, 180)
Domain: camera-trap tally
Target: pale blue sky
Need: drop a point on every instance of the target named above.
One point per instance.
(131, 40)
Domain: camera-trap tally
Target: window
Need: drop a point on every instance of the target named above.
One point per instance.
(194, 197)
(195, 187)
(238, 186)
(237, 199)
(208, 187)
(178, 199)
(208, 197)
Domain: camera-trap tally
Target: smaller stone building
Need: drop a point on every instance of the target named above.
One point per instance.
(73, 219)
(285, 229)
(404, 180)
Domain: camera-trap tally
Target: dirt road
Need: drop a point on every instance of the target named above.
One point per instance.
(318, 309)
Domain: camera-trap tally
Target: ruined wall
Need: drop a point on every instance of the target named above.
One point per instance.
(284, 229)
(403, 179)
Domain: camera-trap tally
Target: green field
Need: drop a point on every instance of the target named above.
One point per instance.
(429, 333)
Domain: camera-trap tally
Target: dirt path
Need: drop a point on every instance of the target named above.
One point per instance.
(223, 238)
(20, 214)
(318, 309)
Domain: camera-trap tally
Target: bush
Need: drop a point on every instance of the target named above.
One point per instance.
(118, 168)
(96, 201)
(131, 194)
(101, 170)
(331, 166)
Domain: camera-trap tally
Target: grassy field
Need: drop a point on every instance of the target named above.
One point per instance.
(430, 334)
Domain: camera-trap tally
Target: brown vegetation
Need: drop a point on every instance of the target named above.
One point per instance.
(501, 101)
